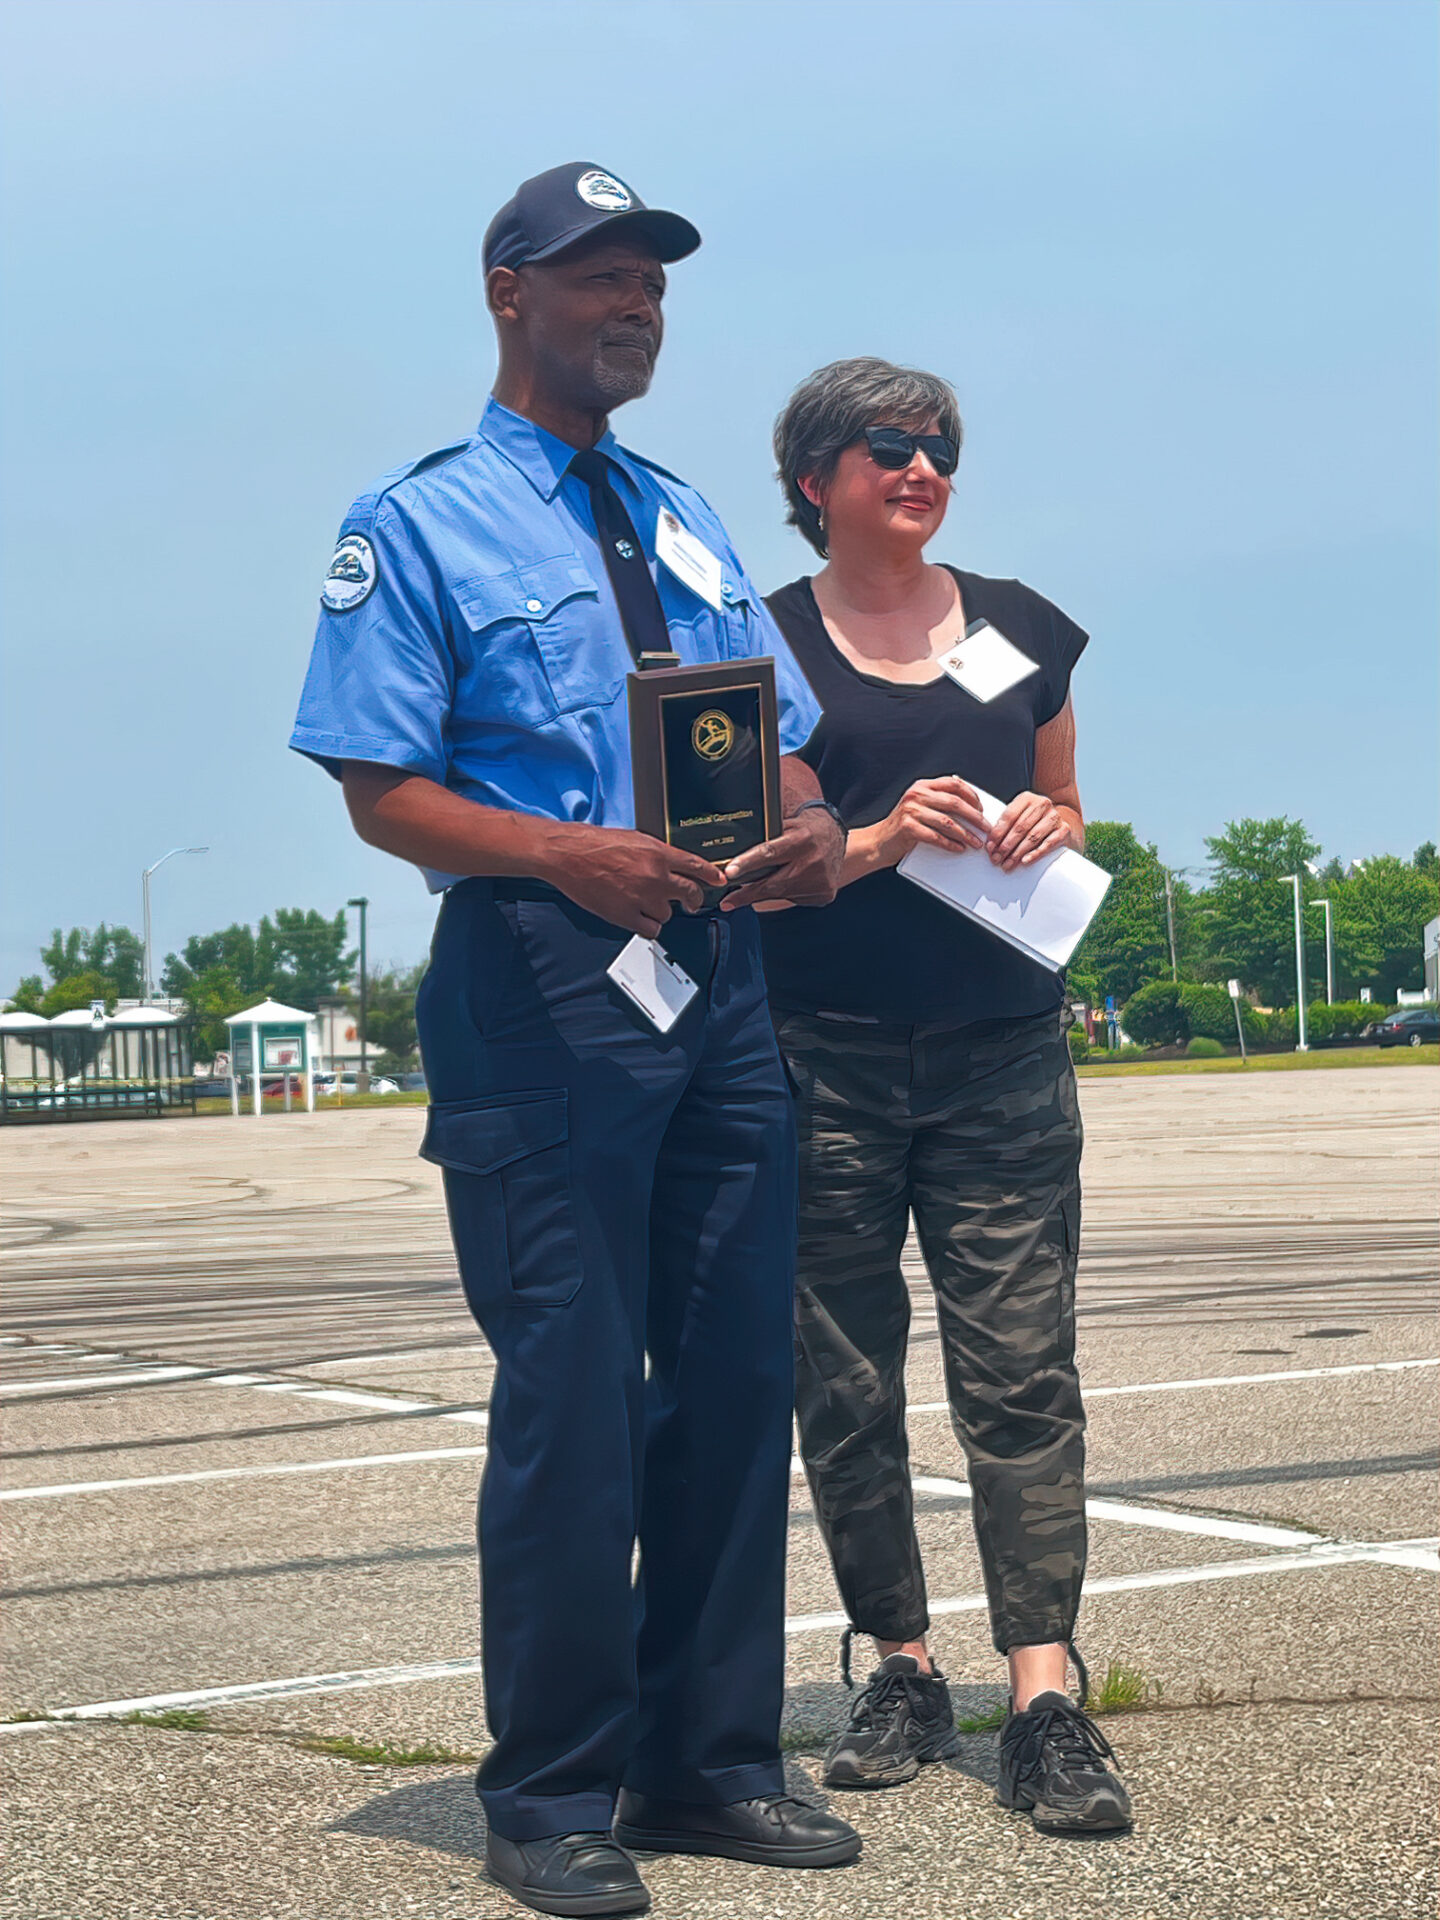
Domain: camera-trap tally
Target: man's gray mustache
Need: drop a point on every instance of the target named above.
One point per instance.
(631, 337)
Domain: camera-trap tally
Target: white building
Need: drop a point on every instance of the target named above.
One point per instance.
(337, 1047)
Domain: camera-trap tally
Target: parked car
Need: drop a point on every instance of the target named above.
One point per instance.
(1409, 1027)
(412, 1083)
(349, 1083)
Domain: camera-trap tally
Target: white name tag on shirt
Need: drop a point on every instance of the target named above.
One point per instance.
(985, 663)
(689, 559)
(646, 974)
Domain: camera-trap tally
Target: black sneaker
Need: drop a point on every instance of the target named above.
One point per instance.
(899, 1723)
(1052, 1766)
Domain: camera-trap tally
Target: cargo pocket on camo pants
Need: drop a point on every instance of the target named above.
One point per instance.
(506, 1160)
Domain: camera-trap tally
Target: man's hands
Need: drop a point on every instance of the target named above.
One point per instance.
(626, 878)
(806, 857)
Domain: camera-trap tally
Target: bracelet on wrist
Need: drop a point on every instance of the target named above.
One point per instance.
(823, 806)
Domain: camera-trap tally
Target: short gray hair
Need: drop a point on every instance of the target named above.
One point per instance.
(829, 412)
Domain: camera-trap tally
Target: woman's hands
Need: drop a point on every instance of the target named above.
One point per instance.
(1029, 828)
(946, 813)
(937, 813)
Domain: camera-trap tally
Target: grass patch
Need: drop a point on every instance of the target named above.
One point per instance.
(803, 1739)
(1320, 1057)
(983, 1722)
(1124, 1690)
(380, 1753)
(173, 1719)
(323, 1104)
(26, 1714)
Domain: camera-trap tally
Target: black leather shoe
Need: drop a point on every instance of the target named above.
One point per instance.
(774, 1830)
(568, 1873)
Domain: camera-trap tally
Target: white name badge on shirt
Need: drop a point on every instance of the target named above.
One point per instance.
(646, 974)
(985, 663)
(689, 559)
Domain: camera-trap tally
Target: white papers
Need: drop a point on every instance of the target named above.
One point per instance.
(647, 975)
(1043, 909)
(985, 663)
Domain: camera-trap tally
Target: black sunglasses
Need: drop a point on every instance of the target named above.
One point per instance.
(894, 449)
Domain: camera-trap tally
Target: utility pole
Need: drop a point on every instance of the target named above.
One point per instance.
(362, 903)
(147, 986)
(1293, 880)
(1329, 949)
(1170, 921)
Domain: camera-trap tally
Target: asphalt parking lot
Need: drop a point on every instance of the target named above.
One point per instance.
(244, 1418)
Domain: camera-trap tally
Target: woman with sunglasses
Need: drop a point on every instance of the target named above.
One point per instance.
(934, 1082)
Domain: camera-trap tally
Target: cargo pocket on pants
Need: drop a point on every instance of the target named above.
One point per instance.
(507, 1190)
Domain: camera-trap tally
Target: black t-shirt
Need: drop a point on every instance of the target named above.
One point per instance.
(883, 947)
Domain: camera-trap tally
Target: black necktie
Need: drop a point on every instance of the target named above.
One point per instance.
(641, 614)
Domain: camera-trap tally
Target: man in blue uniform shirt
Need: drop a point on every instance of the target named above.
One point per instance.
(618, 1194)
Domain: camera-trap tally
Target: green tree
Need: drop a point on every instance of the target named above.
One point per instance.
(1425, 859)
(209, 996)
(1250, 915)
(114, 952)
(1128, 940)
(234, 950)
(310, 959)
(29, 994)
(390, 1010)
(78, 990)
(1380, 912)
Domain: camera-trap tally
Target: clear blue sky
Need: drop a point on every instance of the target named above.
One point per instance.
(1178, 259)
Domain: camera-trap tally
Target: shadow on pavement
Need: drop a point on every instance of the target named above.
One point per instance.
(441, 1814)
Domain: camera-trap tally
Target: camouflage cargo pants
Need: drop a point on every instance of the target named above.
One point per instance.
(976, 1132)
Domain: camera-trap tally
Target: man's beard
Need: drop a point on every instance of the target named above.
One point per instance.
(623, 378)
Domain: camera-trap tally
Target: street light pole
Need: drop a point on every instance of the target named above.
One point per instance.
(361, 903)
(1293, 880)
(1170, 921)
(1329, 949)
(148, 984)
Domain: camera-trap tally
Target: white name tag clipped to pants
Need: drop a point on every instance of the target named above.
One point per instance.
(985, 663)
(689, 559)
(646, 974)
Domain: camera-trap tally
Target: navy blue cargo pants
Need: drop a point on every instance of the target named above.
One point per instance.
(619, 1196)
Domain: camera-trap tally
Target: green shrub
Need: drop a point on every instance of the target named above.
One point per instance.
(1155, 1015)
(1202, 1047)
(1209, 1011)
(1079, 1045)
(1334, 1026)
(1278, 1029)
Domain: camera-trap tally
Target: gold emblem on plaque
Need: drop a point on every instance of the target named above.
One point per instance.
(713, 734)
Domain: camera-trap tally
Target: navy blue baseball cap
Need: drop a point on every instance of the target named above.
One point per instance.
(556, 209)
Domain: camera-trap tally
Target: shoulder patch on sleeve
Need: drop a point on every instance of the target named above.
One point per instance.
(351, 576)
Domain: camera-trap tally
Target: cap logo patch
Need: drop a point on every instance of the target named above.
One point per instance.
(351, 576)
(604, 191)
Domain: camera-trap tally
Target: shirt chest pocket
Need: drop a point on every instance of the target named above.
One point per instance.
(539, 642)
(700, 631)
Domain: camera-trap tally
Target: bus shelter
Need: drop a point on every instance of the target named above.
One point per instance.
(271, 1042)
(87, 1065)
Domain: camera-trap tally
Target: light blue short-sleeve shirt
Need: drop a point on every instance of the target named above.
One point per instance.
(468, 630)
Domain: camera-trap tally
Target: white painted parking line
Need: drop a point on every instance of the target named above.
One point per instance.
(1410, 1553)
(239, 1473)
(1253, 1533)
(1226, 1380)
(87, 1383)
